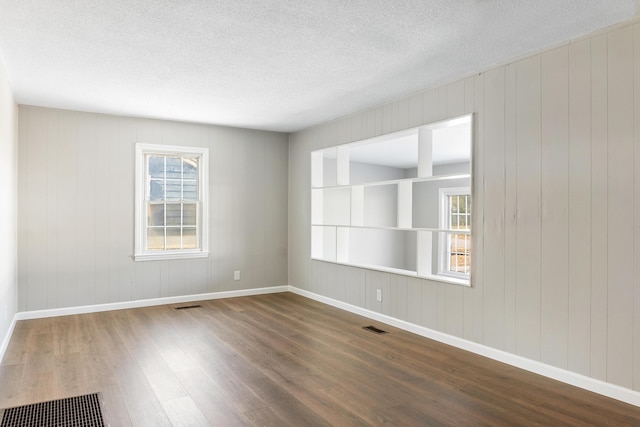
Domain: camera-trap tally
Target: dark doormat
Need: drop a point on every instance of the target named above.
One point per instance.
(78, 411)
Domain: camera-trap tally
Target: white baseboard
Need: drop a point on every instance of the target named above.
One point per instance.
(38, 314)
(597, 386)
(7, 337)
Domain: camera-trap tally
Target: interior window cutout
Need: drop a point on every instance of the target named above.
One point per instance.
(378, 204)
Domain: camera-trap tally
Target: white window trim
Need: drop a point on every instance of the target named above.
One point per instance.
(141, 254)
(442, 237)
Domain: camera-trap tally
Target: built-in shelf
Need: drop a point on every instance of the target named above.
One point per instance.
(377, 203)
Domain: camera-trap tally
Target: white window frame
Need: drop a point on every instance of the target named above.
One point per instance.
(141, 218)
(443, 240)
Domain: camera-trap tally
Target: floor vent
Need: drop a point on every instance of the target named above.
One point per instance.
(78, 411)
(374, 329)
(185, 307)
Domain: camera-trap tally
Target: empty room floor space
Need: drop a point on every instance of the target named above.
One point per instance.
(279, 360)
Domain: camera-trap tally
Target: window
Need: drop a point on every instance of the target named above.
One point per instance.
(455, 244)
(171, 202)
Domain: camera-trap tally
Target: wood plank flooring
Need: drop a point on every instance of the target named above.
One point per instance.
(279, 360)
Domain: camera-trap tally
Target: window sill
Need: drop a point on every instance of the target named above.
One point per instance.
(163, 256)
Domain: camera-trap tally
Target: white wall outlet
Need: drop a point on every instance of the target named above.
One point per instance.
(379, 294)
(236, 275)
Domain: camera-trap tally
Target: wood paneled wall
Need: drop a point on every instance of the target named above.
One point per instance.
(8, 206)
(76, 210)
(556, 226)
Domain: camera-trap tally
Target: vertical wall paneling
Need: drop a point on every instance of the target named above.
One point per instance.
(477, 229)
(494, 194)
(124, 197)
(620, 256)
(86, 220)
(455, 99)
(430, 106)
(554, 300)
(579, 226)
(528, 226)
(599, 201)
(414, 300)
(455, 294)
(77, 210)
(24, 184)
(430, 307)
(555, 265)
(403, 114)
(10, 186)
(510, 200)
(67, 210)
(369, 124)
(103, 189)
(35, 238)
(468, 297)
(52, 186)
(636, 263)
(415, 110)
(398, 297)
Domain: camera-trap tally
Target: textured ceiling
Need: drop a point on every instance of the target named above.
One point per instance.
(268, 64)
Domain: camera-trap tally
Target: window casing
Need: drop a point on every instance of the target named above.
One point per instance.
(171, 202)
(454, 254)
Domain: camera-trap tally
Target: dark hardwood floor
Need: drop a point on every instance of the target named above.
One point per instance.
(279, 360)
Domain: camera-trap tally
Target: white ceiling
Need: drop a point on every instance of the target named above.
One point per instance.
(269, 64)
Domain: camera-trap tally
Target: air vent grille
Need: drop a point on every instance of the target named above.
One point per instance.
(78, 411)
(374, 329)
(185, 307)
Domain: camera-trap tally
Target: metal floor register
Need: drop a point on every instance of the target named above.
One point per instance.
(78, 411)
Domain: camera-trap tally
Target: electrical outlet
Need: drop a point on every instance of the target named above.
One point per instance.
(379, 295)
(236, 275)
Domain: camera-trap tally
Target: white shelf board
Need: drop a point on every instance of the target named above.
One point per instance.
(372, 227)
(450, 176)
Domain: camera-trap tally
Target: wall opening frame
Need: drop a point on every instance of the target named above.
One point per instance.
(376, 203)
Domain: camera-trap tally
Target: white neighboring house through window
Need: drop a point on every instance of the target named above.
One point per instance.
(454, 254)
(171, 202)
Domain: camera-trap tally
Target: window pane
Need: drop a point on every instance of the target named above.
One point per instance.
(173, 190)
(174, 167)
(155, 214)
(190, 168)
(156, 190)
(189, 240)
(454, 203)
(173, 214)
(173, 238)
(189, 190)
(156, 166)
(189, 214)
(155, 239)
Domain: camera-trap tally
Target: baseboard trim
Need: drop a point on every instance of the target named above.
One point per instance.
(597, 386)
(39, 314)
(7, 337)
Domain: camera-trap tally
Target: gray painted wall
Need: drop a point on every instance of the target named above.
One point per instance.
(76, 210)
(8, 205)
(556, 230)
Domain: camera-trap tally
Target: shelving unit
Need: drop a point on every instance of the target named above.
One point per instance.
(375, 202)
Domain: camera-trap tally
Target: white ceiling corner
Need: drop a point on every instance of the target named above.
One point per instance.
(268, 64)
